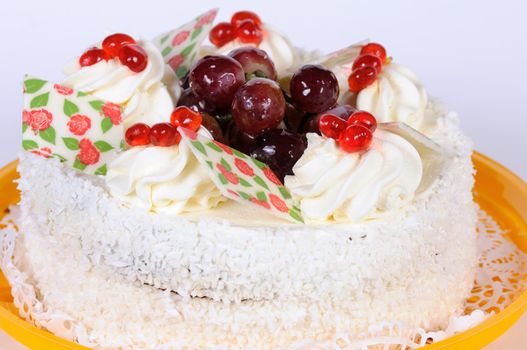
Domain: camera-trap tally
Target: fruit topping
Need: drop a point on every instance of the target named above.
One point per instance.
(211, 124)
(341, 111)
(258, 106)
(374, 49)
(314, 89)
(215, 80)
(164, 135)
(249, 33)
(134, 57)
(368, 60)
(364, 118)
(332, 126)
(191, 101)
(355, 138)
(112, 44)
(222, 34)
(361, 78)
(244, 25)
(293, 118)
(280, 150)
(255, 62)
(239, 139)
(186, 117)
(138, 135)
(91, 57)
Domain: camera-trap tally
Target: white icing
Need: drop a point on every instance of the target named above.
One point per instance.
(396, 95)
(277, 45)
(162, 179)
(149, 95)
(331, 183)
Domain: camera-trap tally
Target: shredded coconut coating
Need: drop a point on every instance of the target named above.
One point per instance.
(283, 283)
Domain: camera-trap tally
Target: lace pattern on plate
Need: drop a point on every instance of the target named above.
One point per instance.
(500, 279)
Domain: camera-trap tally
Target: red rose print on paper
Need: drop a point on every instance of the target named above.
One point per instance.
(176, 61)
(25, 117)
(243, 167)
(271, 176)
(44, 152)
(261, 203)
(63, 90)
(206, 19)
(79, 124)
(225, 148)
(278, 203)
(89, 154)
(232, 178)
(180, 38)
(39, 119)
(112, 111)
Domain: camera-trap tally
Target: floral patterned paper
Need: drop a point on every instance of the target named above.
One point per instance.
(70, 125)
(180, 46)
(241, 177)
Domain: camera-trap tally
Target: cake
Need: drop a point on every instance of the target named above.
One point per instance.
(356, 207)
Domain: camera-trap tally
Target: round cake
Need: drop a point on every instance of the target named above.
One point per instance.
(264, 196)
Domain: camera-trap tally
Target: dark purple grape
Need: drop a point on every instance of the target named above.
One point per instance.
(191, 101)
(215, 80)
(314, 89)
(185, 83)
(293, 118)
(211, 124)
(280, 149)
(341, 111)
(259, 105)
(255, 62)
(239, 140)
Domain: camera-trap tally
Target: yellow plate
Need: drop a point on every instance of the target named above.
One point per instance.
(498, 191)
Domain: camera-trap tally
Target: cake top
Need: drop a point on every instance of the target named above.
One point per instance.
(176, 126)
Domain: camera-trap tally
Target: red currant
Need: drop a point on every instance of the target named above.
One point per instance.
(374, 49)
(361, 78)
(242, 16)
(331, 126)
(164, 135)
(368, 60)
(186, 117)
(363, 118)
(113, 43)
(222, 34)
(134, 57)
(138, 135)
(355, 138)
(91, 57)
(249, 33)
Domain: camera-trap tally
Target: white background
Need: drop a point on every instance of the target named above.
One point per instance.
(471, 54)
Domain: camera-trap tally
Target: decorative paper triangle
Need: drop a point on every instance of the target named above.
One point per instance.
(180, 46)
(241, 177)
(433, 155)
(73, 126)
(340, 57)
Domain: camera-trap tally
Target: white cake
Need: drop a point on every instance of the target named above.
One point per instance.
(227, 274)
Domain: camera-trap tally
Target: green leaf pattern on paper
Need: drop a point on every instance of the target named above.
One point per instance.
(241, 179)
(55, 126)
(179, 46)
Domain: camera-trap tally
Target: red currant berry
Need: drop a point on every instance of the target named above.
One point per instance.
(242, 16)
(91, 57)
(374, 49)
(363, 118)
(222, 34)
(249, 33)
(355, 138)
(164, 135)
(186, 117)
(361, 78)
(134, 57)
(368, 60)
(331, 126)
(138, 135)
(113, 43)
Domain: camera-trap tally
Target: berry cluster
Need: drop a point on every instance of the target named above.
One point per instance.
(244, 25)
(354, 134)
(164, 134)
(117, 46)
(366, 68)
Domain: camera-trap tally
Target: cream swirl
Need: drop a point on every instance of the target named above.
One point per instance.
(148, 95)
(284, 55)
(162, 179)
(396, 96)
(331, 184)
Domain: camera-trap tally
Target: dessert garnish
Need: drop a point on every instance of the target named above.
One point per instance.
(367, 66)
(354, 134)
(244, 25)
(117, 46)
